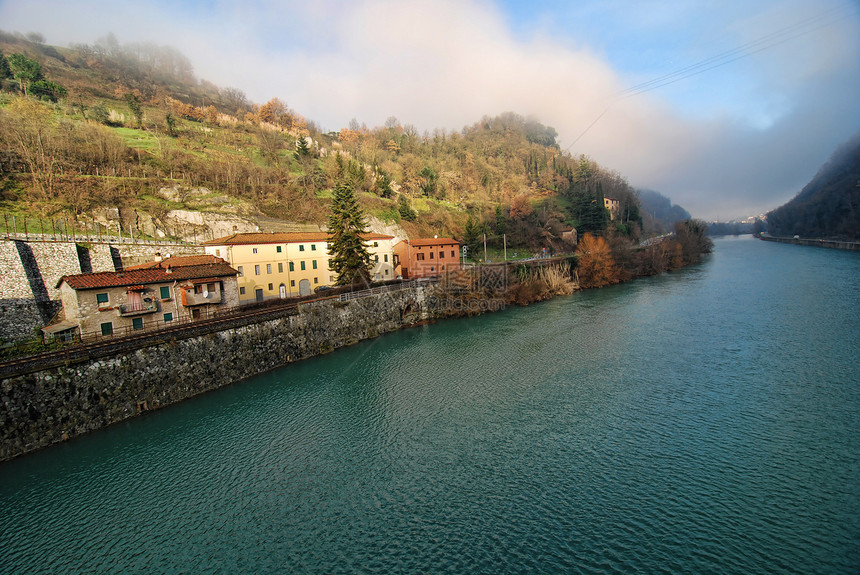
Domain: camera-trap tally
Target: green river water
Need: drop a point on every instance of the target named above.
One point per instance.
(704, 421)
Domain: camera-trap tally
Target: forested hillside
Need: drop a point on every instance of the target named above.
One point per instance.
(829, 205)
(107, 125)
(658, 211)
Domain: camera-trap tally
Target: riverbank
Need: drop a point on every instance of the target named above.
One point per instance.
(817, 243)
(643, 428)
(45, 405)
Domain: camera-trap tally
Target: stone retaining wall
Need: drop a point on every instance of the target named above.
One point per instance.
(832, 244)
(42, 408)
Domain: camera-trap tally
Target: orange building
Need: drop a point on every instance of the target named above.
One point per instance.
(424, 258)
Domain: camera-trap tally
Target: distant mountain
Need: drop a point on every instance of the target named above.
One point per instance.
(829, 205)
(734, 228)
(658, 211)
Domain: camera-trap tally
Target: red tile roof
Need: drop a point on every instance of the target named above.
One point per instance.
(178, 261)
(433, 242)
(281, 238)
(134, 277)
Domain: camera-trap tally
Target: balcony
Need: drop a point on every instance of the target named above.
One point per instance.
(190, 298)
(132, 309)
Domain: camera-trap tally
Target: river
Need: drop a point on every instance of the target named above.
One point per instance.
(703, 421)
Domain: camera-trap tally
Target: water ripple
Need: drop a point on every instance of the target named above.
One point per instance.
(683, 424)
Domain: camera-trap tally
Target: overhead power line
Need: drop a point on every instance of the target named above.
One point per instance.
(743, 51)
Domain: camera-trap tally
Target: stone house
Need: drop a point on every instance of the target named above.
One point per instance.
(143, 298)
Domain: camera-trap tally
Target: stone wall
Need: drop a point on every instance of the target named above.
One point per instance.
(20, 318)
(42, 408)
(54, 260)
(832, 244)
(31, 269)
(13, 280)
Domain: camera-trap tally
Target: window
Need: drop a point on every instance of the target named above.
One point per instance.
(441, 255)
(168, 317)
(241, 272)
(268, 268)
(278, 249)
(256, 270)
(302, 265)
(292, 283)
(314, 264)
(376, 244)
(292, 267)
(107, 328)
(254, 250)
(198, 288)
(313, 247)
(270, 287)
(101, 298)
(195, 313)
(316, 280)
(137, 323)
(301, 247)
(432, 269)
(453, 254)
(211, 287)
(386, 272)
(419, 257)
(280, 267)
(431, 255)
(242, 290)
(164, 292)
(376, 258)
(386, 257)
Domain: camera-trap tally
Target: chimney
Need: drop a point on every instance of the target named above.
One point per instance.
(158, 256)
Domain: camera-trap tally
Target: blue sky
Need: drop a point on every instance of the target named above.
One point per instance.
(777, 92)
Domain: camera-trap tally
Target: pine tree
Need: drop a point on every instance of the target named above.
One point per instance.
(5, 70)
(349, 257)
(406, 212)
(472, 236)
(302, 148)
(136, 107)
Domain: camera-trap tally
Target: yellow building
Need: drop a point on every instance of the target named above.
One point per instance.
(612, 205)
(287, 264)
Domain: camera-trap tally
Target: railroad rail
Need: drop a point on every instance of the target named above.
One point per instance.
(238, 318)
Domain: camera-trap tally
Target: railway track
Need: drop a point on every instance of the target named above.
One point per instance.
(95, 350)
